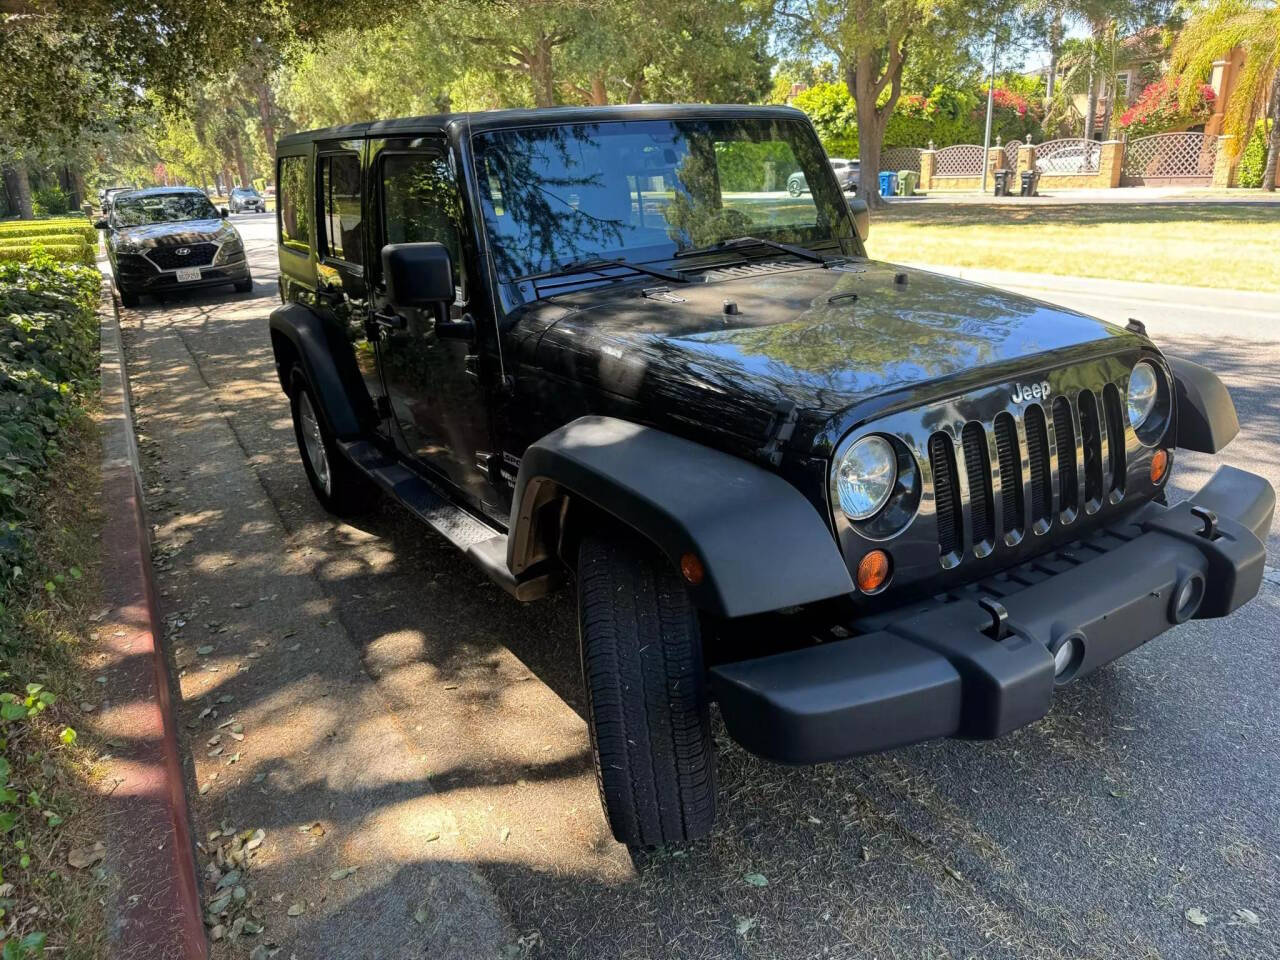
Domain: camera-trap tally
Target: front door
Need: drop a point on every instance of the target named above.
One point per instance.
(437, 400)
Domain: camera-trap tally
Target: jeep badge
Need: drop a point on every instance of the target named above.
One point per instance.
(1036, 391)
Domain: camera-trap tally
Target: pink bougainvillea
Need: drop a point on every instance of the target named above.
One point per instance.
(1158, 110)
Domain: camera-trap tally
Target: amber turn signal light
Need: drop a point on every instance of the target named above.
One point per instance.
(1159, 465)
(691, 569)
(873, 571)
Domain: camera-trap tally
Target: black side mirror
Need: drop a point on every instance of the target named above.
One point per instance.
(861, 217)
(419, 276)
(223, 212)
(101, 225)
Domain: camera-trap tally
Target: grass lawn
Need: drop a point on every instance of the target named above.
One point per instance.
(1236, 246)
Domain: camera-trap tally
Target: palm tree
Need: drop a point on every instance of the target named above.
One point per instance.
(1254, 27)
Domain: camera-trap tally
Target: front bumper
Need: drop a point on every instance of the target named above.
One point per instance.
(944, 668)
(138, 275)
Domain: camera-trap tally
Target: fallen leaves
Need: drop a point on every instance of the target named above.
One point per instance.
(86, 856)
(1196, 916)
(756, 880)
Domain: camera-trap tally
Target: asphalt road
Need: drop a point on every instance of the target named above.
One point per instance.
(433, 727)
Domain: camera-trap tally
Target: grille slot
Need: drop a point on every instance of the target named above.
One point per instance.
(167, 258)
(977, 468)
(1115, 437)
(1064, 433)
(1010, 460)
(946, 494)
(1091, 436)
(1038, 466)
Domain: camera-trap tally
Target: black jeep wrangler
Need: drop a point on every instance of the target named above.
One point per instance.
(855, 504)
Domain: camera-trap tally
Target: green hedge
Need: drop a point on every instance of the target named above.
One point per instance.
(48, 358)
(62, 226)
(1254, 160)
(75, 251)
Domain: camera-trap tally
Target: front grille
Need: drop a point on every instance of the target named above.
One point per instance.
(168, 258)
(1026, 461)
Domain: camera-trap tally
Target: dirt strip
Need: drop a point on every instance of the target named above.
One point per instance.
(156, 914)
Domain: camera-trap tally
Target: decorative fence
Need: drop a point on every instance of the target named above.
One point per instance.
(1165, 159)
(1075, 155)
(961, 160)
(900, 158)
(1011, 154)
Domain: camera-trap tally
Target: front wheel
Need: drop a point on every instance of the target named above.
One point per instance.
(339, 486)
(646, 692)
(245, 285)
(129, 298)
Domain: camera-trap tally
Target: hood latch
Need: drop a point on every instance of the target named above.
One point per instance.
(781, 427)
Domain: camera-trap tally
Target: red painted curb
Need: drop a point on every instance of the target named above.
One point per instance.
(154, 914)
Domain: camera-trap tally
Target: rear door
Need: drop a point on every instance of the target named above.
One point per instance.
(438, 400)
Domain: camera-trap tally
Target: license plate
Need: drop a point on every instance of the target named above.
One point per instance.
(188, 273)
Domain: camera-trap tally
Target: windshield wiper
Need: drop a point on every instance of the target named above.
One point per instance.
(598, 265)
(735, 243)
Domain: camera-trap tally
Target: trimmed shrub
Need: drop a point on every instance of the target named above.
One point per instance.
(1254, 159)
(48, 358)
(65, 226)
(24, 249)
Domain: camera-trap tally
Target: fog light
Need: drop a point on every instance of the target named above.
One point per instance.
(1159, 465)
(873, 571)
(1186, 599)
(1067, 652)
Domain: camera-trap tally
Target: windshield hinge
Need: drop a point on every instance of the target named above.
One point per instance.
(661, 293)
(781, 427)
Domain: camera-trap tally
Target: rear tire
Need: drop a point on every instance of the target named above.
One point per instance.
(339, 486)
(646, 693)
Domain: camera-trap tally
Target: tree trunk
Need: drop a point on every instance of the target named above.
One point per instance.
(599, 95)
(1055, 51)
(1273, 137)
(1091, 107)
(860, 80)
(226, 180)
(19, 187)
(540, 72)
(266, 111)
(237, 148)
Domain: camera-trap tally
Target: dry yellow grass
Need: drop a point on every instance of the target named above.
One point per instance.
(1231, 246)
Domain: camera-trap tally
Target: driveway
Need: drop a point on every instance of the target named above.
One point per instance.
(402, 716)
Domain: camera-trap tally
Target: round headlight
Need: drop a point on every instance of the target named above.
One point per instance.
(1144, 388)
(865, 477)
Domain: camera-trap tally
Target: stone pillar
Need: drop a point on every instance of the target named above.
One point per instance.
(927, 159)
(1110, 163)
(995, 159)
(1223, 81)
(1224, 168)
(1026, 158)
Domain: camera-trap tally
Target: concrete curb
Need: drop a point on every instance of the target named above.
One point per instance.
(156, 911)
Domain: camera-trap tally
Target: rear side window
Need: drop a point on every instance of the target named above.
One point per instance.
(340, 193)
(420, 202)
(291, 199)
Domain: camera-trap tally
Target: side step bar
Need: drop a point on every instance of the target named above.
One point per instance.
(483, 545)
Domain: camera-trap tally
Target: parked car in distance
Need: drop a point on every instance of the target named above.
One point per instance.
(246, 198)
(106, 194)
(846, 172)
(859, 505)
(1068, 156)
(165, 238)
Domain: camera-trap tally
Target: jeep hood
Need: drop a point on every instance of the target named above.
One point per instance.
(824, 339)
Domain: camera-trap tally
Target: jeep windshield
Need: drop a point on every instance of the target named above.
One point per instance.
(647, 191)
(161, 208)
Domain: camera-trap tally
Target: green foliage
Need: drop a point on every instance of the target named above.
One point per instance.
(69, 227)
(50, 201)
(48, 354)
(54, 249)
(1254, 159)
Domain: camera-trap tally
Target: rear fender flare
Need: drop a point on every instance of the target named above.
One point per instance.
(299, 335)
(761, 543)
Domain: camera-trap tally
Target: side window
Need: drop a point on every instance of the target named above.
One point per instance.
(295, 223)
(420, 202)
(340, 200)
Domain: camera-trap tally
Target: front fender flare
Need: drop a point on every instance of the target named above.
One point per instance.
(329, 363)
(1206, 416)
(763, 546)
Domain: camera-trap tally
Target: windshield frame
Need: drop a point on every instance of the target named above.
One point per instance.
(119, 224)
(514, 291)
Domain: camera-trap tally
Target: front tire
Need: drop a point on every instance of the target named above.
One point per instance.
(339, 486)
(245, 285)
(646, 693)
(129, 298)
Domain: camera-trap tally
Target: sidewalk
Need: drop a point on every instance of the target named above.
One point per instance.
(1116, 195)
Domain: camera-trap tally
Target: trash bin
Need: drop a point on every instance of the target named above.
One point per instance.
(907, 183)
(1030, 183)
(888, 183)
(1002, 183)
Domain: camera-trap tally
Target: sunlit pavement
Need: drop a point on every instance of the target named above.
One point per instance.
(402, 716)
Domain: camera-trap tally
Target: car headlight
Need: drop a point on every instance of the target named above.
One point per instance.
(230, 249)
(128, 246)
(1144, 391)
(865, 477)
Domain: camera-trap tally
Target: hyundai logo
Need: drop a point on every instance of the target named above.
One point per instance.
(182, 251)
